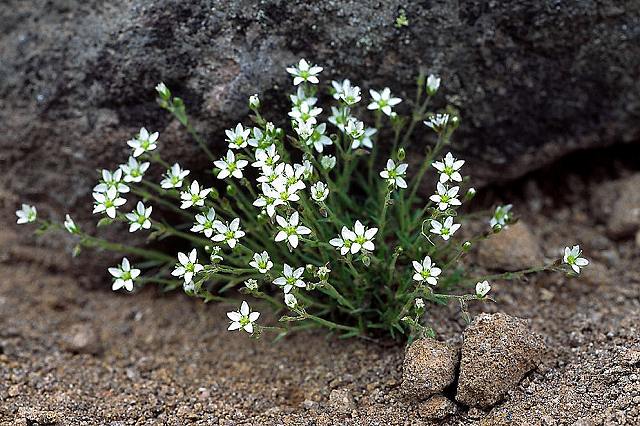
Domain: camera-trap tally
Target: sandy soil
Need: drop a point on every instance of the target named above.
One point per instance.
(166, 359)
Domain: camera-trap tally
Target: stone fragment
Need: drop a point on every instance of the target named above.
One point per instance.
(429, 368)
(512, 249)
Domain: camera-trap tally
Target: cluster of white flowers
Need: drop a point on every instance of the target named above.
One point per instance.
(353, 241)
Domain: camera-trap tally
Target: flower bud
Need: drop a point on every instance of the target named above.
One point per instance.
(254, 102)
(231, 190)
(401, 154)
(471, 192)
(466, 246)
(433, 83)
(163, 91)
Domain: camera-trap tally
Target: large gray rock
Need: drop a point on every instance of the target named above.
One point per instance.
(533, 80)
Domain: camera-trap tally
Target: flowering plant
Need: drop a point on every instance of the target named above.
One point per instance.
(306, 221)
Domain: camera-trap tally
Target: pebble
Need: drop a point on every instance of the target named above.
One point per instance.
(429, 367)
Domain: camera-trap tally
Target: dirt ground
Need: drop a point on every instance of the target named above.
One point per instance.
(153, 358)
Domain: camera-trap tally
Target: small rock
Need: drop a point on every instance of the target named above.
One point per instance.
(429, 367)
(512, 249)
(14, 390)
(475, 413)
(618, 204)
(437, 407)
(30, 416)
(83, 339)
(342, 401)
(596, 274)
(497, 351)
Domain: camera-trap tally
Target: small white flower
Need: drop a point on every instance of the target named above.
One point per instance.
(364, 139)
(354, 128)
(187, 266)
(361, 238)
(433, 84)
(174, 177)
(237, 138)
(305, 169)
(290, 300)
(343, 241)
(254, 101)
(229, 166)
(340, 88)
(323, 272)
(445, 229)
(163, 90)
(266, 157)
(482, 288)
(351, 95)
(339, 117)
(572, 257)
(230, 233)
(194, 196)
(501, 216)
(108, 202)
(419, 303)
(251, 284)
(437, 122)
(394, 174)
(318, 139)
(304, 72)
(383, 101)
(111, 180)
(26, 214)
(215, 254)
(268, 202)
(139, 218)
(305, 113)
(261, 262)
(133, 170)
(304, 129)
(301, 97)
(446, 197)
(70, 225)
(328, 162)
(124, 275)
(290, 278)
(426, 271)
(243, 318)
(261, 140)
(290, 230)
(319, 191)
(449, 168)
(144, 142)
(204, 223)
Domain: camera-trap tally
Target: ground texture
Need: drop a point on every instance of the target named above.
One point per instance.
(70, 354)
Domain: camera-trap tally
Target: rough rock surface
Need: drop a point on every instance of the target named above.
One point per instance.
(437, 407)
(429, 368)
(497, 351)
(512, 249)
(617, 203)
(533, 80)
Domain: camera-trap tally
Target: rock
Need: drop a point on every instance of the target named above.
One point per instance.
(33, 416)
(342, 401)
(596, 274)
(437, 407)
(429, 368)
(497, 352)
(512, 249)
(77, 77)
(617, 203)
(82, 339)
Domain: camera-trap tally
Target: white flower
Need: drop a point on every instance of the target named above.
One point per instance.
(343, 241)
(194, 196)
(187, 266)
(108, 202)
(445, 197)
(305, 169)
(361, 238)
(304, 72)
(449, 168)
(291, 177)
(394, 174)
(215, 254)
(111, 180)
(323, 272)
(350, 95)
(419, 303)
(266, 157)
(243, 318)
(501, 215)
(237, 138)
(229, 166)
(354, 128)
(437, 122)
(301, 97)
(70, 225)
(261, 262)
(328, 162)
(305, 113)
(204, 223)
(290, 278)
(251, 284)
(319, 191)
(445, 229)
(426, 271)
(339, 117)
(340, 87)
(229, 233)
(268, 202)
(139, 218)
(261, 140)
(290, 230)
(173, 177)
(304, 129)
(124, 275)
(383, 101)
(26, 214)
(290, 300)
(482, 288)
(433, 84)
(163, 90)
(254, 101)
(364, 139)
(133, 170)
(573, 259)
(318, 139)
(144, 142)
